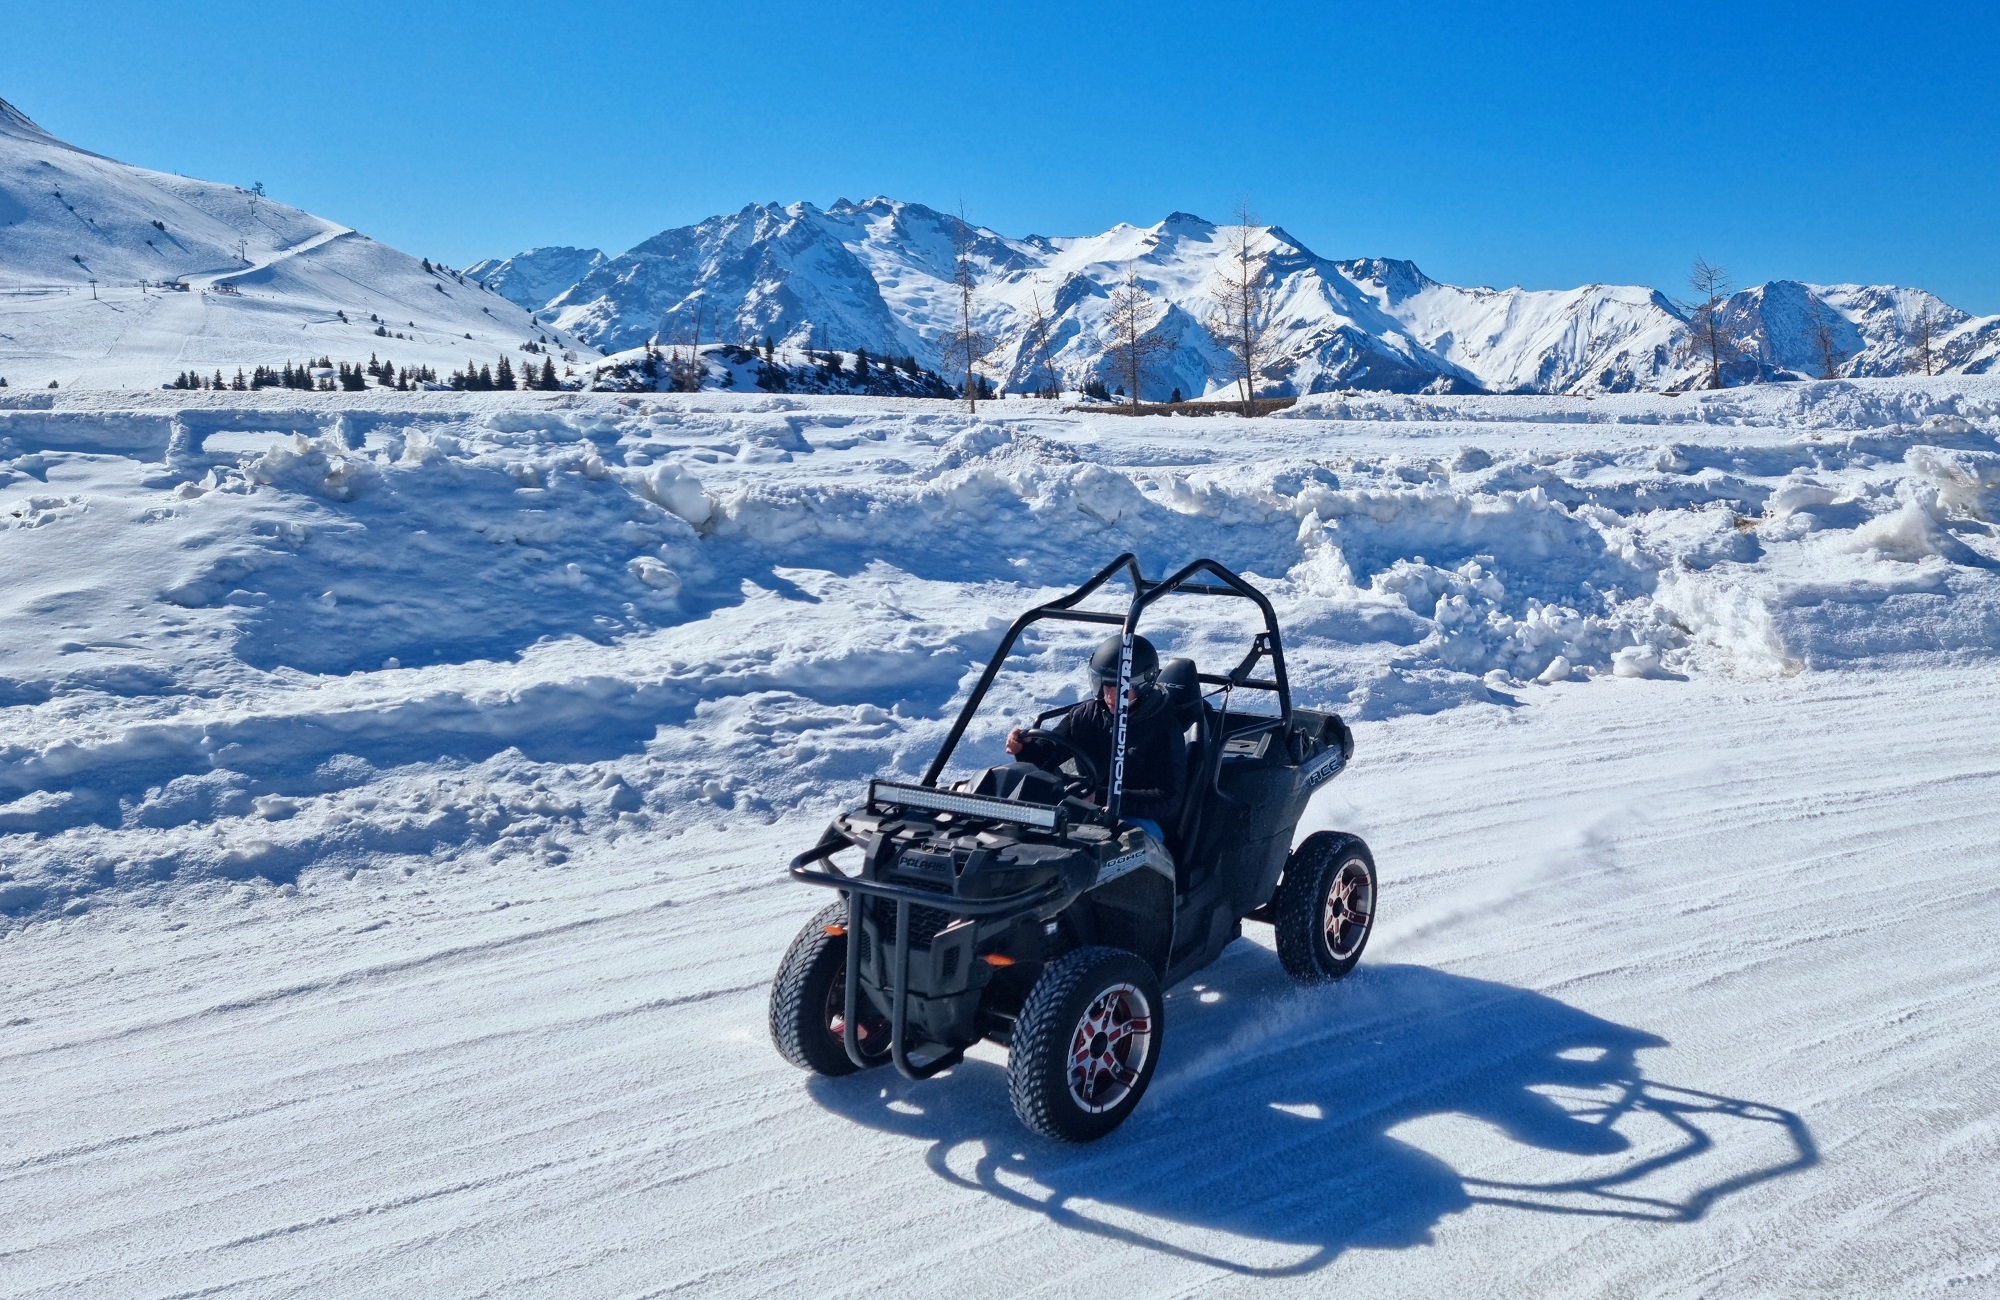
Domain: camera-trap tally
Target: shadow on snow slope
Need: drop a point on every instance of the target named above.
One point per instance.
(1286, 1127)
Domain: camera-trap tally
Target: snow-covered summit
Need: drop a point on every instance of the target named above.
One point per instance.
(114, 275)
(529, 279)
(878, 275)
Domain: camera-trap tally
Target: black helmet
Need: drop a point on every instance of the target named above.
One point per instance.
(1104, 661)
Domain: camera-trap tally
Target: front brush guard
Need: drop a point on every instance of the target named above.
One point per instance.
(853, 887)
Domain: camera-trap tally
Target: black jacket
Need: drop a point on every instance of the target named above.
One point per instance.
(1155, 747)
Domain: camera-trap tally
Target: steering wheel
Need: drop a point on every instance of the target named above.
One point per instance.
(1090, 778)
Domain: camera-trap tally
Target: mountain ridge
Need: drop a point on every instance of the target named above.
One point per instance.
(116, 274)
(876, 274)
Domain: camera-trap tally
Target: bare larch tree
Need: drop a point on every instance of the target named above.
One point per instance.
(1922, 333)
(1127, 339)
(1707, 340)
(1036, 361)
(968, 346)
(1240, 315)
(1831, 354)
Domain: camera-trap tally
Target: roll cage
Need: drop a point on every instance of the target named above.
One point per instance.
(1192, 579)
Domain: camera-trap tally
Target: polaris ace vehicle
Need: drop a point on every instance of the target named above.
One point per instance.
(1018, 906)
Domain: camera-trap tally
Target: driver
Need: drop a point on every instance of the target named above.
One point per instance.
(1155, 748)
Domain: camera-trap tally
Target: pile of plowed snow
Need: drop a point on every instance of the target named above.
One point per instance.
(249, 639)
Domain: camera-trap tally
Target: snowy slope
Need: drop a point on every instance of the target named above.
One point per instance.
(69, 217)
(393, 788)
(877, 275)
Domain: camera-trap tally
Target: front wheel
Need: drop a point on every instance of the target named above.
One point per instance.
(1325, 907)
(809, 1001)
(1085, 1044)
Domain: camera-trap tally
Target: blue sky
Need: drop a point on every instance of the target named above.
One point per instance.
(1547, 145)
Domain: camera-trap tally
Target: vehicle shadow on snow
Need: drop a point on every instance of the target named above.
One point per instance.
(1286, 1126)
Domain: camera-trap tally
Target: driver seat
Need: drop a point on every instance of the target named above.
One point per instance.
(1179, 680)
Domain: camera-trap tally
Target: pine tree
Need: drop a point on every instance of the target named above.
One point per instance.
(427, 264)
(503, 376)
(219, 381)
(388, 375)
(239, 385)
(861, 365)
(549, 381)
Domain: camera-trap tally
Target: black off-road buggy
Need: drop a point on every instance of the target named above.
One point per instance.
(1017, 906)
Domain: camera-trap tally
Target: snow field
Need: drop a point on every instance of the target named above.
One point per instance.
(392, 791)
(258, 637)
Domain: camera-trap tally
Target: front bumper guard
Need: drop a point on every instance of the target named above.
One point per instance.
(904, 897)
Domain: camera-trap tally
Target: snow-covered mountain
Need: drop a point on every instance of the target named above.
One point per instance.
(877, 275)
(1869, 330)
(90, 247)
(530, 279)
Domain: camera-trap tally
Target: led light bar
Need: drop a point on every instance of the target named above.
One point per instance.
(968, 805)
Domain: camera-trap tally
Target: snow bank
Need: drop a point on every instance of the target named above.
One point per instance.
(443, 631)
(1947, 406)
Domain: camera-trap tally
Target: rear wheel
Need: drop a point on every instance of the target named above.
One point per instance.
(1085, 1044)
(1325, 907)
(809, 1001)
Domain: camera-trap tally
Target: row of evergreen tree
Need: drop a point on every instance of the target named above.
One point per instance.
(831, 360)
(352, 378)
(834, 364)
(286, 376)
(358, 378)
(501, 378)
